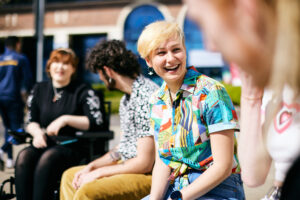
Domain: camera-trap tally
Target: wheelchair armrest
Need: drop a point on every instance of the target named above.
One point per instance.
(19, 136)
(108, 135)
(97, 142)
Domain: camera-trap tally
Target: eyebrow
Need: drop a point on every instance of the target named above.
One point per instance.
(162, 48)
(158, 49)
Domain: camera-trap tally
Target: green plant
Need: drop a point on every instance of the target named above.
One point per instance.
(112, 96)
(115, 96)
(234, 93)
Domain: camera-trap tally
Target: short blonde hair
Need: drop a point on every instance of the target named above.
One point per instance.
(156, 33)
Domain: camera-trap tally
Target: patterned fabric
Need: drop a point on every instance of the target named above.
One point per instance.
(182, 129)
(134, 116)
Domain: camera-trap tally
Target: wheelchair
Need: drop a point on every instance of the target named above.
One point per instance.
(96, 142)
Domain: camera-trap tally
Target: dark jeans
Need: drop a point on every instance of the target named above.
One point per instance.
(12, 116)
(38, 171)
(230, 189)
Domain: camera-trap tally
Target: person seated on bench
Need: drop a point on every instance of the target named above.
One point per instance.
(124, 172)
(193, 120)
(56, 107)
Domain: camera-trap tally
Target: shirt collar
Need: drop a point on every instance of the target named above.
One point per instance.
(137, 83)
(188, 85)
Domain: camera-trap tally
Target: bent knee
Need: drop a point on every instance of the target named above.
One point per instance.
(116, 187)
(69, 174)
(26, 156)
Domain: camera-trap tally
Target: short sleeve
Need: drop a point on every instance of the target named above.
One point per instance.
(91, 106)
(32, 104)
(219, 113)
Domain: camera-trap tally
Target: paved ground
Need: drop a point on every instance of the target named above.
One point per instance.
(251, 193)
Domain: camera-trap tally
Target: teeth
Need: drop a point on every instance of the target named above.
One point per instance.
(172, 67)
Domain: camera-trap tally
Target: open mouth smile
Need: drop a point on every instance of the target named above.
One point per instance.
(171, 69)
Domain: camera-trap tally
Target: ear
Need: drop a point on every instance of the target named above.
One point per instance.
(149, 62)
(108, 71)
(74, 70)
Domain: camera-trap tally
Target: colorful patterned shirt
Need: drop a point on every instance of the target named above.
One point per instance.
(182, 128)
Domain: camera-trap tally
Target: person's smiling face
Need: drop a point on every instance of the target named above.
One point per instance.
(61, 72)
(169, 61)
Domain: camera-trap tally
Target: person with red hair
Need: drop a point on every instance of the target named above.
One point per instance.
(57, 107)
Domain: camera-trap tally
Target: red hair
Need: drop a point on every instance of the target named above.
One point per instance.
(64, 55)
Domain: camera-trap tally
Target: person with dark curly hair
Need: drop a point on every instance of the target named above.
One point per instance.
(108, 177)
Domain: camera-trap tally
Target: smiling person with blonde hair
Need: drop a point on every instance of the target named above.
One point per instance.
(193, 121)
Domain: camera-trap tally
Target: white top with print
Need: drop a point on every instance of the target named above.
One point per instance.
(134, 116)
(283, 140)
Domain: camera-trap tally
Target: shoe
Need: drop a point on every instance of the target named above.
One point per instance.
(10, 163)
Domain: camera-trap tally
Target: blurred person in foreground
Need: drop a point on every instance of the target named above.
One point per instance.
(125, 171)
(193, 121)
(56, 109)
(263, 38)
(15, 83)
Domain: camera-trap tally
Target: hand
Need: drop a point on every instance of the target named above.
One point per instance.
(87, 177)
(56, 125)
(40, 141)
(77, 176)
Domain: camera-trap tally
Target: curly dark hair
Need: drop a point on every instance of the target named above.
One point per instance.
(114, 55)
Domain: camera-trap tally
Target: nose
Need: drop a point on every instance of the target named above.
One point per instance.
(170, 57)
(59, 65)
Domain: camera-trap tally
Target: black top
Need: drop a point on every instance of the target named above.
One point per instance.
(76, 99)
